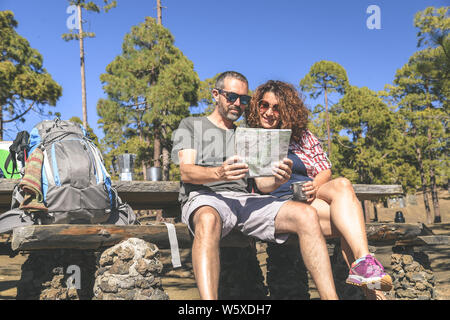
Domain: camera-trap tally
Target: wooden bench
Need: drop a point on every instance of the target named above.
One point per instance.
(163, 195)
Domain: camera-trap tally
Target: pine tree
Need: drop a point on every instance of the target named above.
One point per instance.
(80, 35)
(24, 83)
(325, 77)
(366, 149)
(150, 88)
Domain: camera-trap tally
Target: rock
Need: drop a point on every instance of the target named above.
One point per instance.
(119, 267)
(412, 267)
(417, 277)
(406, 293)
(132, 274)
(126, 254)
(396, 258)
(407, 259)
(421, 286)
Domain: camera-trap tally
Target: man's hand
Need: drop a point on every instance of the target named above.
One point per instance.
(232, 169)
(282, 171)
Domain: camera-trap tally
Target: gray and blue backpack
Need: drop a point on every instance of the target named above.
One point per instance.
(76, 186)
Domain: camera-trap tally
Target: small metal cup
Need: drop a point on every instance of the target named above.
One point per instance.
(296, 188)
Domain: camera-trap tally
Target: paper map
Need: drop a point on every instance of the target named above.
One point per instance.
(262, 148)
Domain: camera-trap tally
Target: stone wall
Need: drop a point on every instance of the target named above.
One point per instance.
(287, 278)
(45, 275)
(129, 271)
(412, 276)
(240, 275)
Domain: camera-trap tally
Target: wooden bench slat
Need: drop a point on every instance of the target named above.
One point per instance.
(164, 194)
(430, 240)
(71, 236)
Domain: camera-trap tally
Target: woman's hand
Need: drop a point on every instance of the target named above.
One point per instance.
(310, 189)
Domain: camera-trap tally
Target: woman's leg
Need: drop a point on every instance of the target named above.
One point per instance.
(330, 231)
(345, 214)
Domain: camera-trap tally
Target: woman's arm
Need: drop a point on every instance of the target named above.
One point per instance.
(281, 174)
(310, 188)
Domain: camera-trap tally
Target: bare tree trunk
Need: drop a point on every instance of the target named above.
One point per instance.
(328, 123)
(156, 147)
(434, 196)
(422, 178)
(165, 160)
(424, 186)
(159, 11)
(1, 123)
(82, 65)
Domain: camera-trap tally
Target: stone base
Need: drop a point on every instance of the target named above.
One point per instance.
(412, 276)
(241, 277)
(45, 275)
(287, 278)
(129, 271)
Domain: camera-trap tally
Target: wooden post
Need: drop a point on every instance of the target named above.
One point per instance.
(368, 210)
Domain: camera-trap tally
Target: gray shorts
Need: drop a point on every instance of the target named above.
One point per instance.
(251, 213)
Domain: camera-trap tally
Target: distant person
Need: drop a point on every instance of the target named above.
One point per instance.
(277, 105)
(215, 199)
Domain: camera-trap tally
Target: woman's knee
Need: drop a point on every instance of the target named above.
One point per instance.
(343, 184)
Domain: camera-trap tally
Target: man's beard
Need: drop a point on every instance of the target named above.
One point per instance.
(226, 112)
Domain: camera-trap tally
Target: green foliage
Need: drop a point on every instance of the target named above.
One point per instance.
(24, 83)
(367, 148)
(324, 75)
(89, 130)
(150, 88)
(88, 6)
(205, 95)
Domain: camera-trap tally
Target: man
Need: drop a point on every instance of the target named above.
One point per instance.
(215, 199)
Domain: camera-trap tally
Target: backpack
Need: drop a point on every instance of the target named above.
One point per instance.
(17, 152)
(76, 186)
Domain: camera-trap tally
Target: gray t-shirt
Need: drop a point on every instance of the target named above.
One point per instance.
(213, 144)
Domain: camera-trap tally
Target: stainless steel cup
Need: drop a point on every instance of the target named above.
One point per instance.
(296, 188)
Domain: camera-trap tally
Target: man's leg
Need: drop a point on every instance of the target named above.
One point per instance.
(302, 219)
(205, 251)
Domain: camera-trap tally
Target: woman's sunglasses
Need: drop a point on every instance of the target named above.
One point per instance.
(264, 106)
(232, 97)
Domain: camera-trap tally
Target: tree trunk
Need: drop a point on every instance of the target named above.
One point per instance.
(144, 167)
(165, 160)
(434, 196)
(424, 186)
(156, 147)
(422, 178)
(328, 123)
(1, 123)
(82, 65)
(159, 11)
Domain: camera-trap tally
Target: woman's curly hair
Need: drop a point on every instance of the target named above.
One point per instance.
(293, 112)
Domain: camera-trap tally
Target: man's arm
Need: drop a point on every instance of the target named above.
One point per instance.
(282, 173)
(230, 170)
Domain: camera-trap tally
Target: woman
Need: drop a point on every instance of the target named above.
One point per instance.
(277, 105)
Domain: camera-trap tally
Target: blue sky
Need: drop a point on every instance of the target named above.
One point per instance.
(260, 38)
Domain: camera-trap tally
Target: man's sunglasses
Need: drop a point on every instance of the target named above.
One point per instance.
(232, 97)
(264, 106)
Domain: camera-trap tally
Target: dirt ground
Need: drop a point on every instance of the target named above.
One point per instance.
(179, 284)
